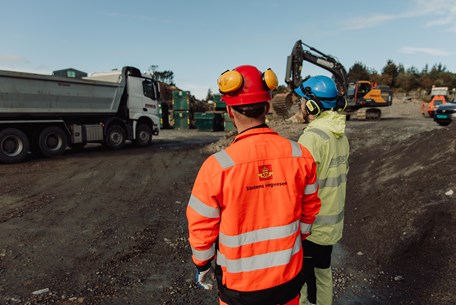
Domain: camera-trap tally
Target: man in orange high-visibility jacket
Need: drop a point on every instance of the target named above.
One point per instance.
(253, 203)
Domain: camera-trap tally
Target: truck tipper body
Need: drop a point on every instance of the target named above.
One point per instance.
(45, 114)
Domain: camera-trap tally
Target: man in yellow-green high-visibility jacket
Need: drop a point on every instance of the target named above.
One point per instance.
(325, 138)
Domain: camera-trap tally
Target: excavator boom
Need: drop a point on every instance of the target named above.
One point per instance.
(298, 55)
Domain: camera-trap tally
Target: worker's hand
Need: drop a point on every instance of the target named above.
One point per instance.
(205, 279)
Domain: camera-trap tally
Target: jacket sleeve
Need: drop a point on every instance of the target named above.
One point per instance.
(203, 215)
(310, 201)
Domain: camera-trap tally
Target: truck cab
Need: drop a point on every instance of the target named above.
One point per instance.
(145, 105)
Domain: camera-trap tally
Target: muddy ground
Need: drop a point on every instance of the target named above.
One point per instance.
(104, 227)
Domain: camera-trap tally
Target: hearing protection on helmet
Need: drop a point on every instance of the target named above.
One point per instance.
(315, 107)
(231, 80)
(313, 104)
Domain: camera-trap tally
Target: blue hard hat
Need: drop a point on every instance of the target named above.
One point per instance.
(320, 86)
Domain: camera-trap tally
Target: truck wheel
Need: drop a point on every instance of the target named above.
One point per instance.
(14, 145)
(143, 135)
(52, 141)
(115, 137)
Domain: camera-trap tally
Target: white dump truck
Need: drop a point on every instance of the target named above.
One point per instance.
(46, 114)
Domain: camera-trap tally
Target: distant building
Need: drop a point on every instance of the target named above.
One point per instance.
(70, 73)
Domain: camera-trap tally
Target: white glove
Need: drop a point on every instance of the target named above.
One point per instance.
(205, 279)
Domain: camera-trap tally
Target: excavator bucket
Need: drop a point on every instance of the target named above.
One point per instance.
(281, 104)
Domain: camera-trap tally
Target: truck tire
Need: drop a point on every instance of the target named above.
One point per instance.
(143, 135)
(52, 141)
(115, 137)
(14, 145)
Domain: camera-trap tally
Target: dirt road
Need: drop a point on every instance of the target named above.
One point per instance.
(103, 227)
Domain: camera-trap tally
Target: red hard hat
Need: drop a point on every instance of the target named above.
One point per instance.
(246, 85)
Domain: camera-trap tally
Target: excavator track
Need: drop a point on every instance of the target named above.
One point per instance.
(370, 114)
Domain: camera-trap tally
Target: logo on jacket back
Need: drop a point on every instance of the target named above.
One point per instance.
(265, 172)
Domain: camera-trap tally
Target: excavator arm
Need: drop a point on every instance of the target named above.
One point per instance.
(297, 57)
(365, 106)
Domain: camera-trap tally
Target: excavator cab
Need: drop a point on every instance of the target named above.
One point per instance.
(356, 92)
(363, 89)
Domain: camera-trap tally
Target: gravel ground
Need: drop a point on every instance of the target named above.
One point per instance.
(104, 227)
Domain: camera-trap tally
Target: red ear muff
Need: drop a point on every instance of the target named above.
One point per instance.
(270, 79)
(230, 81)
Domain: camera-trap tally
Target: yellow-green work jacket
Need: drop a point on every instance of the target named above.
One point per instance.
(326, 140)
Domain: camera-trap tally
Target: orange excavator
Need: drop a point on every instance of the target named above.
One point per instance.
(363, 97)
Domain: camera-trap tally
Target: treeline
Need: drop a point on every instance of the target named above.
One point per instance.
(405, 80)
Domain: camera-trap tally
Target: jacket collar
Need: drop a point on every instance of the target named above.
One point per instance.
(256, 130)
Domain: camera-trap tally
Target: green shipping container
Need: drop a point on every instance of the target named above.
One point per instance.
(228, 124)
(209, 121)
(181, 100)
(218, 103)
(181, 119)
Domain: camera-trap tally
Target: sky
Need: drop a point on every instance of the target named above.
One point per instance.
(198, 40)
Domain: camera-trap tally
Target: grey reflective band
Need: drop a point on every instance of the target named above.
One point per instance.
(310, 188)
(224, 159)
(319, 132)
(258, 235)
(333, 181)
(203, 209)
(336, 161)
(205, 254)
(295, 149)
(261, 261)
(305, 227)
(329, 220)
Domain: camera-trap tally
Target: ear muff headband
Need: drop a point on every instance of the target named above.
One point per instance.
(270, 79)
(230, 81)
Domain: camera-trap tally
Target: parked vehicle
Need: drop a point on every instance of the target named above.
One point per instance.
(44, 114)
(445, 113)
(439, 96)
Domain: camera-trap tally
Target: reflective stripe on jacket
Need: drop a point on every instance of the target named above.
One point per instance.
(254, 201)
(326, 140)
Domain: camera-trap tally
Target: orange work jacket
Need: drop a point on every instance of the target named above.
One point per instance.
(253, 203)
